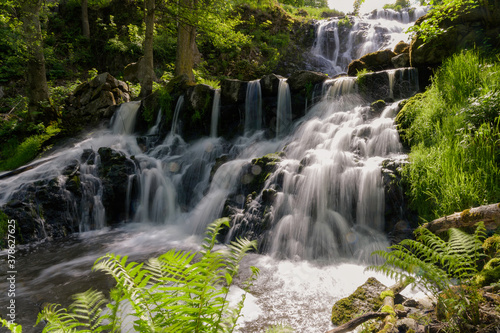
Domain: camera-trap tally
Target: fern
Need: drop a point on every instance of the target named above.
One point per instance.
(433, 263)
(84, 314)
(175, 292)
(14, 328)
(447, 269)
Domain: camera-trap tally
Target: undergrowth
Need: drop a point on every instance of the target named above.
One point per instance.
(453, 130)
(178, 291)
(448, 268)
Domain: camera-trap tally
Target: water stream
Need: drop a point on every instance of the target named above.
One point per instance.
(327, 218)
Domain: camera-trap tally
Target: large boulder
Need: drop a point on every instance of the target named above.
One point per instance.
(375, 61)
(115, 169)
(470, 28)
(94, 101)
(198, 115)
(233, 91)
(269, 85)
(401, 60)
(303, 81)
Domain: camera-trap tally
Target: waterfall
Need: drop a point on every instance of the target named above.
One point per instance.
(175, 120)
(92, 213)
(215, 114)
(154, 129)
(124, 118)
(253, 107)
(284, 109)
(338, 41)
(392, 76)
(328, 198)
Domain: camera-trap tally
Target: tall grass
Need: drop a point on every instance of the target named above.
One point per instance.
(454, 137)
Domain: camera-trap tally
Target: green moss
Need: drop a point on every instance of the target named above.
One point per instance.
(491, 246)
(344, 310)
(349, 307)
(386, 293)
(490, 273)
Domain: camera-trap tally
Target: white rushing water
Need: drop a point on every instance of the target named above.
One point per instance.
(339, 40)
(327, 218)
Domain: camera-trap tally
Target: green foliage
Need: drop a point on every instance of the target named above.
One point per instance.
(14, 156)
(84, 315)
(345, 22)
(453, 131)
(14, 328)
(356, 6)
(447, 269)
(432, 263)
(177, 291)
(398, 5)
(440, 11)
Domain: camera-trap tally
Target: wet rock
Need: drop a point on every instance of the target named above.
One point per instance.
(303, 81)
(115, 169)
(93, 102)
(233, 91)
(198, 111)
(470, 28)
(375, 61)
(401, 60)
(402, 47)
(269, 85)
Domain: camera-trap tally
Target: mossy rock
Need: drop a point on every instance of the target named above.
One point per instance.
(406, 116)
(364, 299)
(491, 246)
(490, 273)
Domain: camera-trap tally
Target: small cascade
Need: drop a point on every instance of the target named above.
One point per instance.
(253, 107)
(284, 109)
(341, 86)
(158, 197)
(155, 128)
(178, 107)
(123, 121)
(93, 214)
(392, 76)
(339, 42)
(215, 114)
(403, 82)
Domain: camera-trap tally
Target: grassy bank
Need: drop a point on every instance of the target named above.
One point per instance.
(453, 132)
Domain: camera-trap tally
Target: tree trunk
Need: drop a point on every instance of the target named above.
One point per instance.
(489, 214)
(85, 19)
(186, 38)
(147, 69)
(39, 107)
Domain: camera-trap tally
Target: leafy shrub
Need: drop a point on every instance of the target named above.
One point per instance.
(177, 291)
(453, 130)
(18, 155)
(446, 268)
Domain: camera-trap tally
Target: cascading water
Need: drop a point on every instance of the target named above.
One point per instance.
(328, 205)
(178, 107)
(215, 114)
(339, 41)
(284, 109)
(253, 107)
(125, 117)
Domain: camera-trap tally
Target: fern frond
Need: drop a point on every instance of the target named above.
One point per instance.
(58, 320)
(14, 328)
(213, 230)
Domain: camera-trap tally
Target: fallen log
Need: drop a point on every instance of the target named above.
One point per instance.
(352, 324)
(489, 214)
